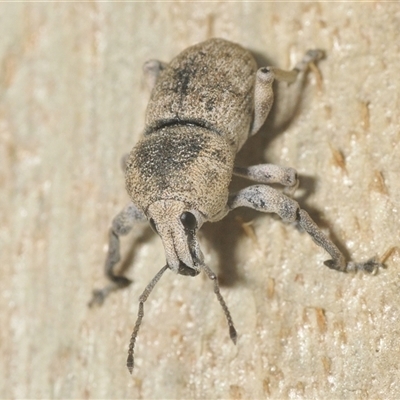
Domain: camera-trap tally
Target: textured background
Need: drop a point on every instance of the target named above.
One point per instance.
(72, 102)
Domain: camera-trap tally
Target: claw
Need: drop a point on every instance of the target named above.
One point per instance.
(371, 266)
(99, 295)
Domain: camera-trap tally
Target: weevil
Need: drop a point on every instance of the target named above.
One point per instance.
(203, 107)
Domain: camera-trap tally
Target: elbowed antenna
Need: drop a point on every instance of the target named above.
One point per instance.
(143, 297)
(213, 277)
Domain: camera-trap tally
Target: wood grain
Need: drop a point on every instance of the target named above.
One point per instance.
(72, 102)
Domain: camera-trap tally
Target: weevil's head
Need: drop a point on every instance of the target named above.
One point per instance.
(179, 176)
(177, 229)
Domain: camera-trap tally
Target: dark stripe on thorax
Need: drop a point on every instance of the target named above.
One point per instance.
(161, 124)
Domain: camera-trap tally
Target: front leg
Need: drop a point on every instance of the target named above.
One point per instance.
(121, 225)
(265, 199)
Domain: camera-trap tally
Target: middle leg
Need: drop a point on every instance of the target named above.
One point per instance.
(270, 173)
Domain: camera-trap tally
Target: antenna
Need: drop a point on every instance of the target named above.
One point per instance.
(143, 297)
(213, 277)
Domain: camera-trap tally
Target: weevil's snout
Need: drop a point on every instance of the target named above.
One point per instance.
(183, 269)
(177, 228)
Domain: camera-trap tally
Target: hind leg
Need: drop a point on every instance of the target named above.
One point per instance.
(152, 70)
(263, 93)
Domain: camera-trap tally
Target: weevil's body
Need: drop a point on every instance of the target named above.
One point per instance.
(204, 105)
(199, 116)
(211, 85)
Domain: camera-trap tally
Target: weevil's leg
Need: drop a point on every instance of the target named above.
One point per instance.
(152, 70)
(270, 173)
(266, 199)
(121, 225)
(263, 93)
(124, 160)
(263, 97)
(301, 67)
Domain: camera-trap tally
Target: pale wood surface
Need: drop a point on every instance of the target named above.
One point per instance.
(72, 103)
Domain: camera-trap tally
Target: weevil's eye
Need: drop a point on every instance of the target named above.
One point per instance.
(153, 225)
(188, 221)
